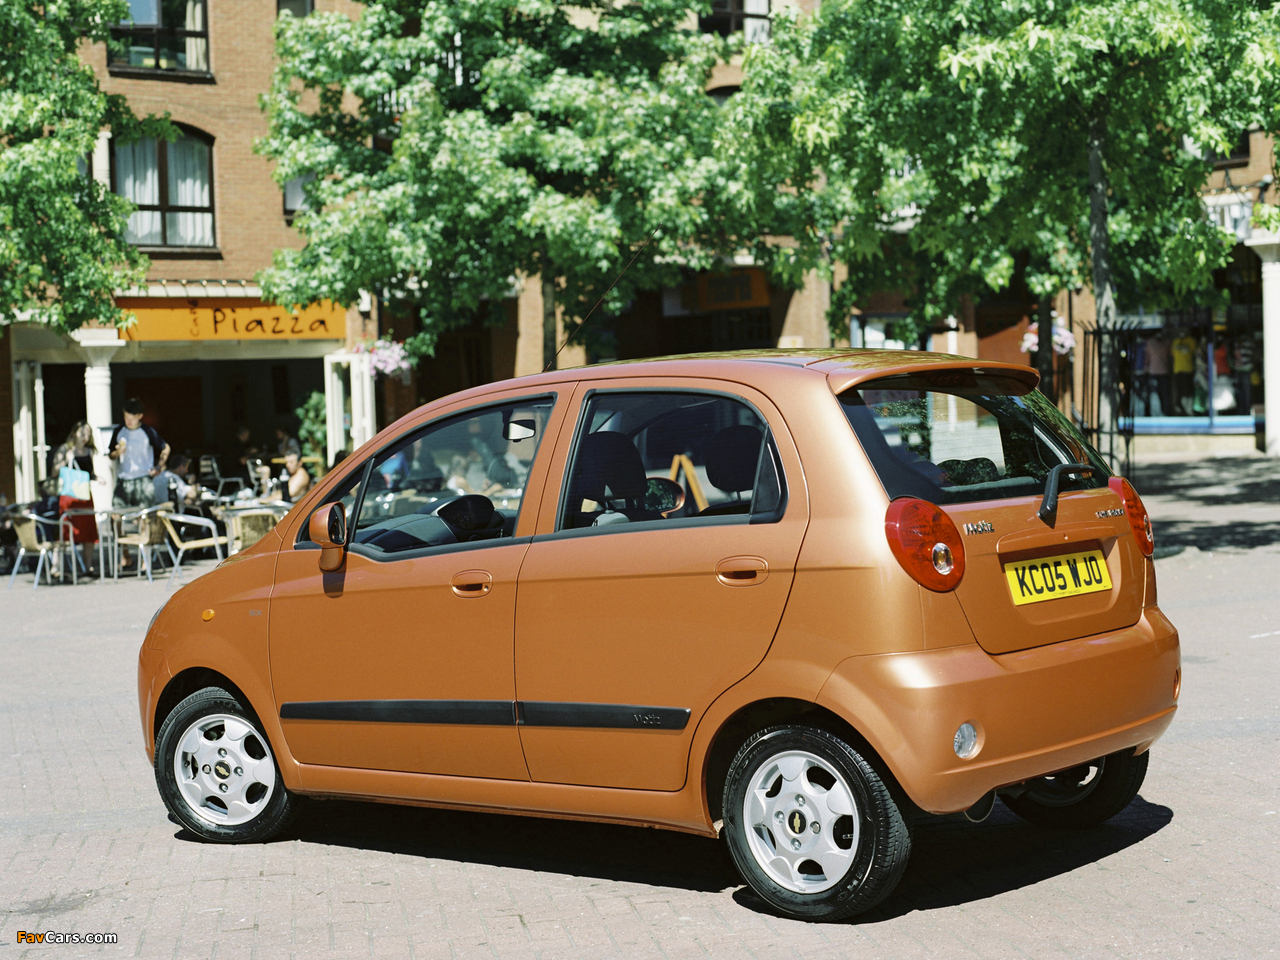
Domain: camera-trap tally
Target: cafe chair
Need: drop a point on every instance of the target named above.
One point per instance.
(211, 475)
(247, 527)
(212, 540)
(25, 526)
(150, 536)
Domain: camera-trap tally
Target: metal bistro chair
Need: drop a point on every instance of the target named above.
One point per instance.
(247, 527)
(213, 540)
(149, 538)
(211, 475)
(25, 526)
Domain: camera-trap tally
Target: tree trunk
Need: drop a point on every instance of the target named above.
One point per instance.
(1044, 353)
(1100, 250)
(550, 333)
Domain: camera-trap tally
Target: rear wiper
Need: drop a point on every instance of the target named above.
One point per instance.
(1048, 511)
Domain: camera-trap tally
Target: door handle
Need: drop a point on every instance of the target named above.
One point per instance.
(471, 583)
(742, 571)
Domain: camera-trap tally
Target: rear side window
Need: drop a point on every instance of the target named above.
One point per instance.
(960, 436)
(670, 455)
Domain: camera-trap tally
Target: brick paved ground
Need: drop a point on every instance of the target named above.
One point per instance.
(1190, 870)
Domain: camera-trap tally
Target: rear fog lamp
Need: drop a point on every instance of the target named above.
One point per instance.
(965, 742)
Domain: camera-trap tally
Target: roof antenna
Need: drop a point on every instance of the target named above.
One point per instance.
(578, 328)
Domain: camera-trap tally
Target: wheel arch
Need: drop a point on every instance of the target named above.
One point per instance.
(774, 711)
(187, 682)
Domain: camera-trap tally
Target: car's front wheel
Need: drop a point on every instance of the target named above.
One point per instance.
(216, 773)
(811, 826)
(1083, 796)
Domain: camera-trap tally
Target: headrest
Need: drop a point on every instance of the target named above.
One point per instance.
(732, 457)
(610, 468)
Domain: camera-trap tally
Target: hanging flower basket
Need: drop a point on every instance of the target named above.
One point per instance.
(387, 357)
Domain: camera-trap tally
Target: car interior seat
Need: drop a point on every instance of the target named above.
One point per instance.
(609, 471)
(733, 457)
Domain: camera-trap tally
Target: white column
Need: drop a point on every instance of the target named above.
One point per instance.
(97, 347)
(1267, 246)
(363, 406)
(334, 403)
(23, 427)
(41, 446)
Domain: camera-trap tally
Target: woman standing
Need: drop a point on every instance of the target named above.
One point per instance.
(77, 453)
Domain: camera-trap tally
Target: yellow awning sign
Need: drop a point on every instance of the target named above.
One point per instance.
(230, 318)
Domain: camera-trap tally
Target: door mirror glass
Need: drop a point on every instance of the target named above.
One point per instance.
(663, 496)
(520, 429)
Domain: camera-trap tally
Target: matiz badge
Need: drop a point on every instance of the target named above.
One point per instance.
(982, 526)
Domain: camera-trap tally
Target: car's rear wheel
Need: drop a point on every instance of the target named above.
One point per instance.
(811, 826)
(1082, 796)
(216, 773)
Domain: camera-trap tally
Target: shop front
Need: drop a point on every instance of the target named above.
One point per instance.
(205, 360)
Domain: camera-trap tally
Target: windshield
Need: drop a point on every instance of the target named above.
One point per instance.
(960, 436)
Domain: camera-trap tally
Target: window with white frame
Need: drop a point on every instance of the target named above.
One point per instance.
(165, 36)
(751, 17)
(172, 186)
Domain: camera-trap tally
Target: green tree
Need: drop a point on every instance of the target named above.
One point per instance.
(62, 247)
(454, 147)
(936, 142)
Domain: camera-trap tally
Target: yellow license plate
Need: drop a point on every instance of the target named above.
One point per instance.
(1048, 578)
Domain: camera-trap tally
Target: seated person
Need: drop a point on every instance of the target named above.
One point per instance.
(175, 484)
(294, 480)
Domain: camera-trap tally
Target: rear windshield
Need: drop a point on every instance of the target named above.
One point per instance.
(956, 437)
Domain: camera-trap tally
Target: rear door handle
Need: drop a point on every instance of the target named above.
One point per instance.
(742, 571)
(471, 583)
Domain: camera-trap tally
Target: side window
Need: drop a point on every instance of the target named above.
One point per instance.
(458, 480)
(667, 455)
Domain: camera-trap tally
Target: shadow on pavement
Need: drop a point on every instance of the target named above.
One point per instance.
(1220, 481)
(953, 862)
(1241, 535)
(606, 851)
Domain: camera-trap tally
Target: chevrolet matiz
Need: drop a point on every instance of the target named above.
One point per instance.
(789, 598)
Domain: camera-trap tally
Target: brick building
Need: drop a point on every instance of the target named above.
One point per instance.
(207, 353)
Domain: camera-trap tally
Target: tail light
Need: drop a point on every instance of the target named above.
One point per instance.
(926, 542)
(1139, 522)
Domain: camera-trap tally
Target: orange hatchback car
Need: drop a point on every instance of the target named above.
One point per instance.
(790, 598)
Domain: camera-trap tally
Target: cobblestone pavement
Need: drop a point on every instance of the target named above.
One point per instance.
(1189, 871)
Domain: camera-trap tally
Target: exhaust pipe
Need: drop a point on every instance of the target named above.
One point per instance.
(982, 809)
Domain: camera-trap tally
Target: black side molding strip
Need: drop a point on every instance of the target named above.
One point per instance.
(624, 716)
(497, 713)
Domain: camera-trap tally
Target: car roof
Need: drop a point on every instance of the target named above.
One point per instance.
(843, 367)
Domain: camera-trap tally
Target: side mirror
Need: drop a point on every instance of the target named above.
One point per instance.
(663, 496)
(328, 528)
(520, 429)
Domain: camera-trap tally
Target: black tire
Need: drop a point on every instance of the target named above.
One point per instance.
(258, 810)
(879, 843)
(1084, 796)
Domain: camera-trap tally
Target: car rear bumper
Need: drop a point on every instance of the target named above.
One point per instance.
(1036, 711)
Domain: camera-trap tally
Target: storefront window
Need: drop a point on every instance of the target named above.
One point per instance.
(171, 183)
(162, 35)
(1203, 362)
